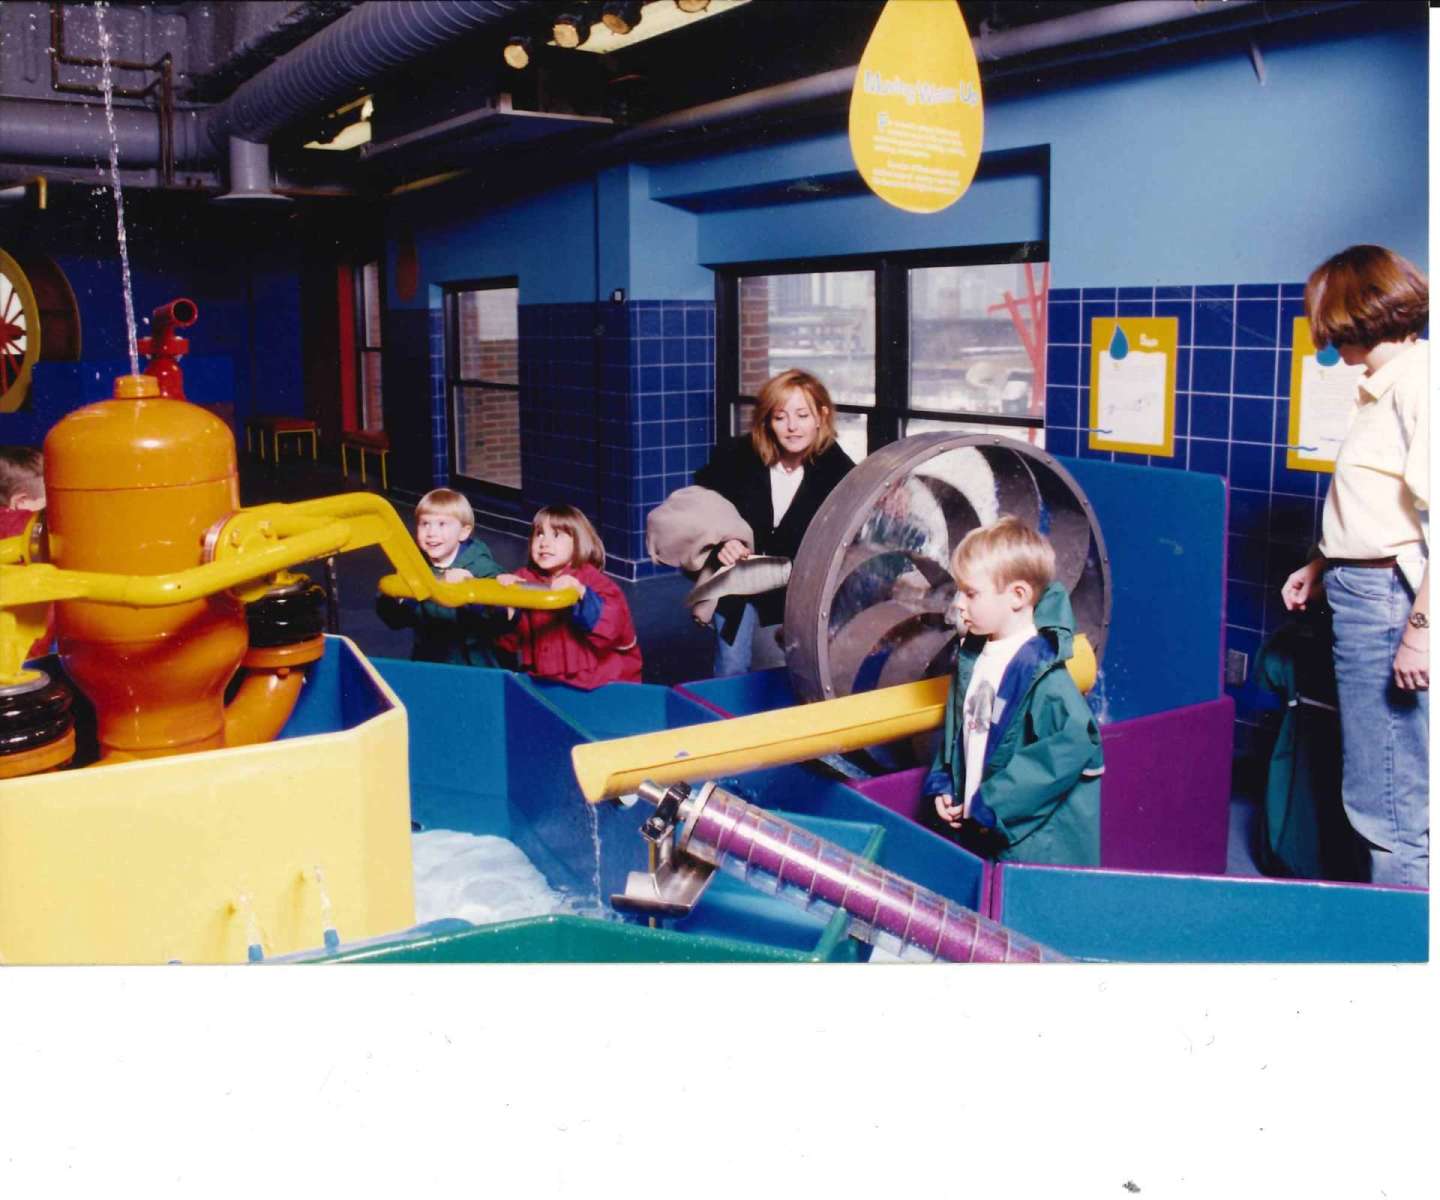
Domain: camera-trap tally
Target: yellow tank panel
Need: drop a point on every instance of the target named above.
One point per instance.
(196, 857)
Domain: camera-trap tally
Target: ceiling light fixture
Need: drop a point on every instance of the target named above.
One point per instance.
(621, 16)
(660, 16)
(692, 6)
(346, 137)
(571, 28)
(517, 52)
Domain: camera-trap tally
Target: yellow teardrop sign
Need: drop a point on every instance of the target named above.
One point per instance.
(916, 118)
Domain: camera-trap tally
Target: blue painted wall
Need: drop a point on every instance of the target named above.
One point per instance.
(547, 240)
(1194, 172)
(245, 347)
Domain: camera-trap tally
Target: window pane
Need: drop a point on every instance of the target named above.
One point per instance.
(487, 435)
(966, 354)
(370, 304)
(488, 335)
(372, 414)
(823, 323)
(1032, 435)
(851, 432)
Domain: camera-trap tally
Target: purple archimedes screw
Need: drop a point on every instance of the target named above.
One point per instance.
(885, 910)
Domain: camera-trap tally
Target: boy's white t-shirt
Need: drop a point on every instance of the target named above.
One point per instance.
(982, 708)
(783, 486)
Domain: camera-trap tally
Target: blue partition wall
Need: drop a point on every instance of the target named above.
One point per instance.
(1125, 917)
(1165, 533)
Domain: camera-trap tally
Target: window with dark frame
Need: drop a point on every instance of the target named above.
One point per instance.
(904, 342)
(367, 346)
(482, 375)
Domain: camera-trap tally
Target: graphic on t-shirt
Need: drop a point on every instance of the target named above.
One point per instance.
(982, 709)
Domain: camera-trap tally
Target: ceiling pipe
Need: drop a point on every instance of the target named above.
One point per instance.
(322, 72)
(346, 57)
(1177, 18)
(66, 131)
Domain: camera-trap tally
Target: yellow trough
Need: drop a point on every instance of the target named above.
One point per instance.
(200, 857)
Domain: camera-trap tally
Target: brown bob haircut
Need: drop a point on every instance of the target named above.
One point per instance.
(773, 396)
(1008, 551)
(566, 518)
(1366, 295)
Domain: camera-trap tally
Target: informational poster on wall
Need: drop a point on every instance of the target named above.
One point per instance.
(1322, 402)
(916, 117)
(1132, 384)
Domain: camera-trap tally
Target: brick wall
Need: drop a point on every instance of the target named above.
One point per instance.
(488, 421)
(754, 334)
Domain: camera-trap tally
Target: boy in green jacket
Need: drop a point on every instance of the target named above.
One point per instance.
(444, 522)
(1017, 773)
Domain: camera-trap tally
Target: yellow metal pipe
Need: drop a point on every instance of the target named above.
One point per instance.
(256, 543)
(773, 739)
(770, 739)
(371, 520)
(41, 582)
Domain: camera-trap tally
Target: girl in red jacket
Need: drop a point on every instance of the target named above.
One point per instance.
(587, 645)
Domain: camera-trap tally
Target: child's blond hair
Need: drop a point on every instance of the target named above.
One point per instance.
(1008, 551)
(568, 519)
(446, 502)
(22, 473)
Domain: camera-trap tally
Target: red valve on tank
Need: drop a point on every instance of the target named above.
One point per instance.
(165, 347)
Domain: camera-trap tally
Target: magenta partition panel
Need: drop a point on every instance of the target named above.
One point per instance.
(900, 792)
(1165, 798)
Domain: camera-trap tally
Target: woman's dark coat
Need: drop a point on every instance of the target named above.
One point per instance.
(737, 472)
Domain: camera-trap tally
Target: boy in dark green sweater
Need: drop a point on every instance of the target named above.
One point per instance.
(444, 522)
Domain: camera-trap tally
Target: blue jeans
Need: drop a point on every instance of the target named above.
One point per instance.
(733, 658)
(1383, 729)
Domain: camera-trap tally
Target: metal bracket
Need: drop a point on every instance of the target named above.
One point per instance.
(675, 885)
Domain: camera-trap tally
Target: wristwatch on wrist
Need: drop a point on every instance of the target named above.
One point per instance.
(1419, 620)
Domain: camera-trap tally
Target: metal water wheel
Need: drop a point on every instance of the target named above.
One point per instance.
(870, 593)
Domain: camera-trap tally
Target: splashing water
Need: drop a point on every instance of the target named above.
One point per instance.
(107, 87)
(595, 838)
(328, 933)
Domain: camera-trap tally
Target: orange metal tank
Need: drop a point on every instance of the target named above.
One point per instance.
(132, 486)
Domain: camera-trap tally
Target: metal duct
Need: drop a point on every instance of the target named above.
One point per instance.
(250, 174)
(59, 131)
(345, 57)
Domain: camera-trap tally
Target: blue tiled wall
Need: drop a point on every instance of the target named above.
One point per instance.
(1232, 417)
(668, 426)
(559, 405)
(617, 410)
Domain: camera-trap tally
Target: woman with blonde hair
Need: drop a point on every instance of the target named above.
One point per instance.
(776, 476)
